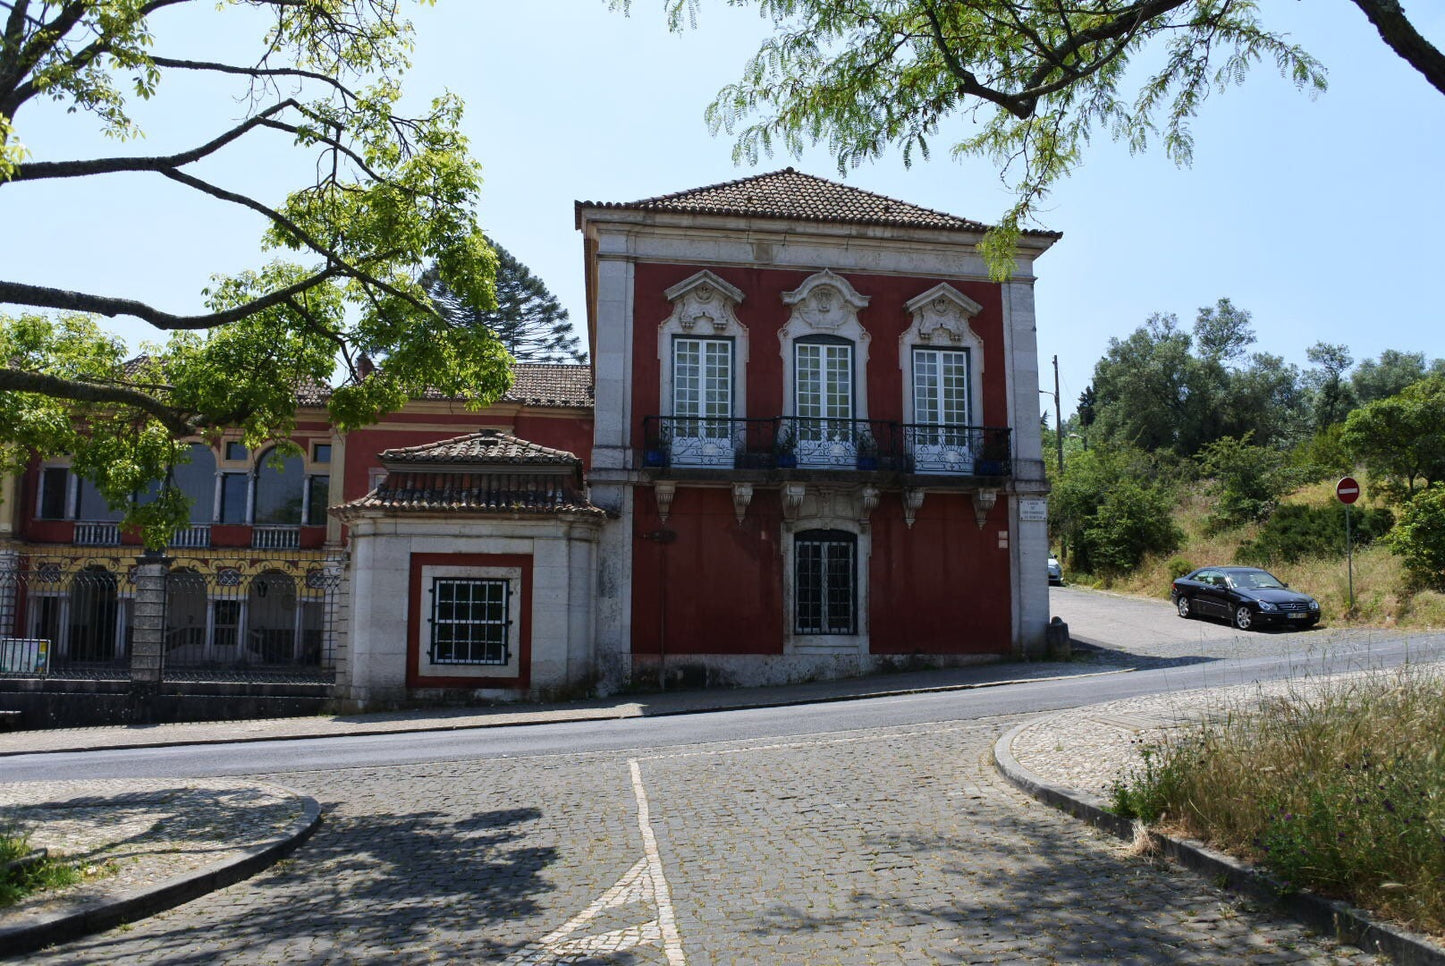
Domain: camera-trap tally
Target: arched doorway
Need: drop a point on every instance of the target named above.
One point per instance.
(271, 618)
(94, 618)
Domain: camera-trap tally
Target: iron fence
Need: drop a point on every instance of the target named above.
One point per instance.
(261, 619)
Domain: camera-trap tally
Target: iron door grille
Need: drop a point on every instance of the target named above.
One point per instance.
(470, 621)
(825, 583)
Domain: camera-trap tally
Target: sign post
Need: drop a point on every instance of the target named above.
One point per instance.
(1348, 490)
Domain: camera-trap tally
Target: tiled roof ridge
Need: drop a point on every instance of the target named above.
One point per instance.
(494, 446)
(896, 211)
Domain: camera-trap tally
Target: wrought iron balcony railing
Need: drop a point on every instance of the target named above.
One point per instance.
(789, 442)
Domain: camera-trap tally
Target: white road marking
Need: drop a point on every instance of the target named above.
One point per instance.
(643, 883)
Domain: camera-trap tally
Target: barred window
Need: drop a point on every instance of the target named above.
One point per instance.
(825, 585)
(470, 621)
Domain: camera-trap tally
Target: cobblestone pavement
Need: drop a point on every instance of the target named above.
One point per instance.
(136, 834)
(884, 846)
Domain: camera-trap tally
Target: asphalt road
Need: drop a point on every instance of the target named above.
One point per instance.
(1162, 653)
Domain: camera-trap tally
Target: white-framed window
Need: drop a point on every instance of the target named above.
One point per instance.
(825, 583)
(823, 395)
(702, 400)
(470, 621)
(941, 390)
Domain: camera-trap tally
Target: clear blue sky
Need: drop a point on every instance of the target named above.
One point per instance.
(1321, 217)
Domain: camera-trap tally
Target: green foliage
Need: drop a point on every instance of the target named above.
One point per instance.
(1037, 82)
(1146, 792)
(1110, 509)
(1401, 439)
(1419, 537)
(1246, 481)
(1340, 790)
(1321, 456)
(1161, 388)
(21, 876)
(1389, 375)
(382, 196)
(1179, 566)
(1296, 531)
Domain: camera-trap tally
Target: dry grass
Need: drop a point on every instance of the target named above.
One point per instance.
(1382, 594)
(1339, 789)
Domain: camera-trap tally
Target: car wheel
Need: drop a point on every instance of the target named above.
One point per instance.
(1244, 617)
(1183, 605)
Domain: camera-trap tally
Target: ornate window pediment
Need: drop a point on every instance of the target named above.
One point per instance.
(941, 317)
(704, 304)
(825, 302)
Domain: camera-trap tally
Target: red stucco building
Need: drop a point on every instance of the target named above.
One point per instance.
(807, 445)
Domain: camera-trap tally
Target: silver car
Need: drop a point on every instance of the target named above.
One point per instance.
(1056, 570)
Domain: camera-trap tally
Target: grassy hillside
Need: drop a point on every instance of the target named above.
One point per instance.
(1382, 598)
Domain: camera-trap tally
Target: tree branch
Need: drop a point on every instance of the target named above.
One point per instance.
(1402, 37)
(39, 170)
(18, 380)
(39, 296)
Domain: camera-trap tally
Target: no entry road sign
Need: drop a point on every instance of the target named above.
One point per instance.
(1347, 490)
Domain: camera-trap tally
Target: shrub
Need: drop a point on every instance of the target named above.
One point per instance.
(1248, 480)
(1179, 566)
(1296, 531)
(1110, 508)
(1419, 538)
(1340, 790)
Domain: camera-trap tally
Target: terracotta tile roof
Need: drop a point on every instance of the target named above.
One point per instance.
(790, 194)
(433, 491)
(489, 447)
(544, 384)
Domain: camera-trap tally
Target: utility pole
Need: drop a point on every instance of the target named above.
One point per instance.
(1058, 419)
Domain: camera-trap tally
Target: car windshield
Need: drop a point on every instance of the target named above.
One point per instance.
(1256, 580)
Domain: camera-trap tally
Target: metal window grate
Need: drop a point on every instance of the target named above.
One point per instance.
(470, 621)
(825, 582)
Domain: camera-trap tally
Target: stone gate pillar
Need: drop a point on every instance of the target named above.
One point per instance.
(148, 636)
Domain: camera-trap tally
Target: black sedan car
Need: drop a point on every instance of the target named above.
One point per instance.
(1248, 596)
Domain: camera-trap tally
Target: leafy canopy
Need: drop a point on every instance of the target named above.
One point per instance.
(380, 196)
(1035, 82)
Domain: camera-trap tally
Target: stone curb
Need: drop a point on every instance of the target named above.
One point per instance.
(108, 912)
(581, 715)
(1326, 916)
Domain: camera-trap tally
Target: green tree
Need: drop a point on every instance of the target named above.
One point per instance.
(1375, 379)
(1418, 537)
(1401, 439)
(1039, 80)
(1246, 481)
(1162, 388)
(527, 318)
(380, 195)
(1331, 397)
(1111, 507)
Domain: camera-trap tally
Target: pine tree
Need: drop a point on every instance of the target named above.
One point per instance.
(528, 319)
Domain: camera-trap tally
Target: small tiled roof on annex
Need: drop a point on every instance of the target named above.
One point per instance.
(487, 447)
(431, 491)
(790, 194)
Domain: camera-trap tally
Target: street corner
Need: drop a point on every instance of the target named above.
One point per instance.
(145, 846)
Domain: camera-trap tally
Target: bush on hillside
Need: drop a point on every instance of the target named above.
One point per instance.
(1246, 480)
(1296, 531)
(1419, 538)
(1111, 508)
